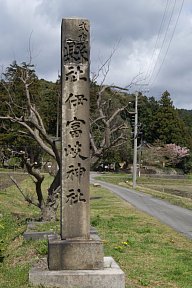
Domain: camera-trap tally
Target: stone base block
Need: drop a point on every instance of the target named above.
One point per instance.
(75, 254)
(109, 277)
(32, 235)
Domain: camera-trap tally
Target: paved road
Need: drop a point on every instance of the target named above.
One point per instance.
(178, 218)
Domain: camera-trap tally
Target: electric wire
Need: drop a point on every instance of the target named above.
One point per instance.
(169, 44)
(151, 62)
(163, 42)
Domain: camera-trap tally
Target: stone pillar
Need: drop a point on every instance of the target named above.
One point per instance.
(75, 222)
(75, 258)
(76, 248)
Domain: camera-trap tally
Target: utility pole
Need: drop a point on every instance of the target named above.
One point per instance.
(135, 137)
(135, 142)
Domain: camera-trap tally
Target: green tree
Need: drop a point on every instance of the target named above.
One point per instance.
(168, 127)
(147, 109)
(49, 107)
(186, 116)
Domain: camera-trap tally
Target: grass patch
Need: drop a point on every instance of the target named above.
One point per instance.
(16, 254)
(150, 254)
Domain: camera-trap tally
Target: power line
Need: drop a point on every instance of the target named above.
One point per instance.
(169, 44)
(157, 40)
(164, 40)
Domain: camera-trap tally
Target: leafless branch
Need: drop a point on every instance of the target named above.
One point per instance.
(29, 48)
(116, 113)
(104, 68)
(27, 199)
(118, 128)
(123, 139)
(93, 122)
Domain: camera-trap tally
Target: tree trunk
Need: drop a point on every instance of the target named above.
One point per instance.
(49, 209)
(48, 213)
(94, 161)
(107, 136)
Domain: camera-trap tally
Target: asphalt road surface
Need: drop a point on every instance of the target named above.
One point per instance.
(178, 218)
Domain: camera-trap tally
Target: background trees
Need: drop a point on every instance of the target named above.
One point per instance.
(29, 118)
(166, 155)
(161, 121)
(168, 126)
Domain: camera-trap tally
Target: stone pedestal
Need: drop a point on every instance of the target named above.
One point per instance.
(111, 276)
(75, 254)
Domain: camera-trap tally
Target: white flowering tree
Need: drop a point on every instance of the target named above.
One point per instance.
(174, 154)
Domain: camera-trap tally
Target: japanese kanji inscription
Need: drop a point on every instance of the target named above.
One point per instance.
(75, 129)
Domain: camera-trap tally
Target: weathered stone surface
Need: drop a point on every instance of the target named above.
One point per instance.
(32, 232)
(32, 235)
(75, 154)
(75, 254)
(109, 277)
(75, 249)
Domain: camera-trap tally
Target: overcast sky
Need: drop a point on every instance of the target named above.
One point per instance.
(151, 40)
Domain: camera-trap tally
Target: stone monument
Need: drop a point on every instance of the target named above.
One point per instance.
(78, 249)
(75, 258)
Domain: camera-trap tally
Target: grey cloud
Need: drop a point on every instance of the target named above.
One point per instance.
(133, 25)
(110, 19)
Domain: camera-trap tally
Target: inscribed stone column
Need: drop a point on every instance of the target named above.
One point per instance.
(75, 222)
(75, 248)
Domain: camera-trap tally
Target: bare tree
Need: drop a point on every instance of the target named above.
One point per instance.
(108, 122)
(107, 119)
(24, 112)
(28, 118)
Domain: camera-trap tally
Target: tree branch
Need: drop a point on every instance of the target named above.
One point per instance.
(116, 113)
(27, 199)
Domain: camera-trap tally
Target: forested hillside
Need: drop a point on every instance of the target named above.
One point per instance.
(112, 119)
